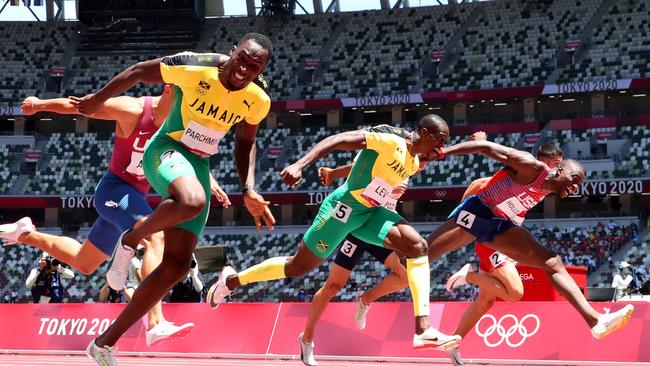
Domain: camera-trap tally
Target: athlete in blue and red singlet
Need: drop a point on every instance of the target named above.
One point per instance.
(492, 217)
(119, 196)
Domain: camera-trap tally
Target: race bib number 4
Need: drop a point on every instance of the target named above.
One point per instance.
(465, 219)
(377, 191)
(201, 140)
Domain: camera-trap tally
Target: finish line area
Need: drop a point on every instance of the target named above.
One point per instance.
(241, 334)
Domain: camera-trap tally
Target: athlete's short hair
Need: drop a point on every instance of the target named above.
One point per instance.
(433, 122)
(260, 39)
(549, 151)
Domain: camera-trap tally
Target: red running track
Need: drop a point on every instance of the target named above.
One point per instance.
(57, 358)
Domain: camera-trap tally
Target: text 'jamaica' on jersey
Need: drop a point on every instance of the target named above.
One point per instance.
(384, 164)
(204, 110)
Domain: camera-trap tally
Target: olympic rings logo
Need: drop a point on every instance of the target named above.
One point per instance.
(498, 327)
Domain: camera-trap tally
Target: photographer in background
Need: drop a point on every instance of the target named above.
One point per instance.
(135, 273)
(622, 280)
(190, 288)
(45, 280)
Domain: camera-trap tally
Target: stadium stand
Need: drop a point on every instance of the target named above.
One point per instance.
(590, 246)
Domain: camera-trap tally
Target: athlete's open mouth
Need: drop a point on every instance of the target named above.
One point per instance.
(239, 76)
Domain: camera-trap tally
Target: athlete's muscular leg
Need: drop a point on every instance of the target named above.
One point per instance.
(278, 267)
(520, 245)
(396, 280)
(405, 239)
(503, 282)
(336, 279)
(187, 200)
(446, 238)
(174, 266)
(474, 312)
(508, 286)
(84, 257)
(155, 246)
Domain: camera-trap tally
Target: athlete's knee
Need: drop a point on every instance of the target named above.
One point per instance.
(330, 289)
(415, 248)
(191, 203)
(174, 268)
(515, 294)
(553, 264)
(86, 268)
(295, 269)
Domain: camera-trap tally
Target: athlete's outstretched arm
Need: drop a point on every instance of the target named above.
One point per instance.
(328, 175)
(114, 109)
(245, 156)
(352, 140)
(146, 72)
(520, 161)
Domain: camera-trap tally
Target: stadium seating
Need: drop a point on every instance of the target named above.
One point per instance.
(587, 246)
(77, 163)
(504, 44)
(28, 51)
(619, 47)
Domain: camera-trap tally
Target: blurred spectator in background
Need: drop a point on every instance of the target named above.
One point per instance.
(135, 275)
(45, 280)
(622, 280)
(190, 288)
(107, 294)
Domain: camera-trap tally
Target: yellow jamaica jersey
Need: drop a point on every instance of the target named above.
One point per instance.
(203, 110)
(384, 164)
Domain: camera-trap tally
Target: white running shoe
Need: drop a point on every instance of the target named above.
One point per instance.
(103, 356)
(362, 312)
(165, 330)
(11, 232)
(610, 322)
(218, 291)
(119, 270)
(307, 352)
(454, 355)
(459, 278)
(432, 338)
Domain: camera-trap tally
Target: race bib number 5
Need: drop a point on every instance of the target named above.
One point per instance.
(342, 212)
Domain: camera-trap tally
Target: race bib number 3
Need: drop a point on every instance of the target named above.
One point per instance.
(377, 191)
(465, 219)
(201, 140)
(342, 212)
(348, 248)
(135, 166)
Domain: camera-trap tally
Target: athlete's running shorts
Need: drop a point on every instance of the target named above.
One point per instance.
(352, 250)
(341, 214)
(479, 220)
(119, 206)
(491, 259)
(165, 160)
